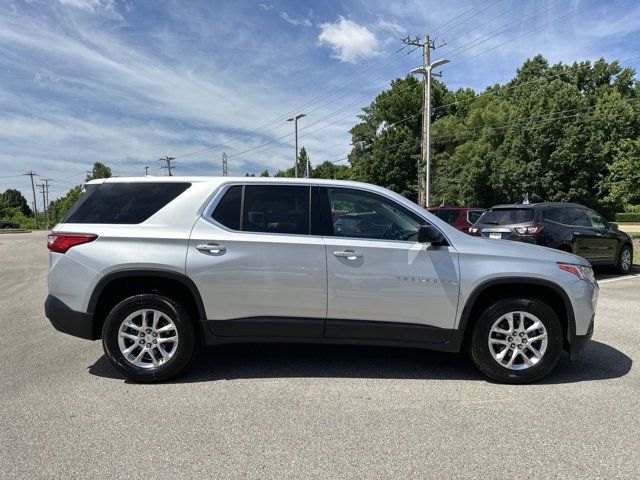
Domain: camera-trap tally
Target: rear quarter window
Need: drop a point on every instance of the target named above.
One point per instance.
(123, 203)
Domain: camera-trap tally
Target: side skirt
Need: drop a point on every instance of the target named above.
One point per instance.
(341, 332)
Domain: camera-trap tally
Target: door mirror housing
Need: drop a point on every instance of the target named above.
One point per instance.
(612, 226)
(429, 234)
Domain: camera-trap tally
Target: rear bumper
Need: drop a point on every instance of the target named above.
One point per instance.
(66, 320)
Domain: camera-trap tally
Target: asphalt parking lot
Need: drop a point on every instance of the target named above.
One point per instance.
(308, 411)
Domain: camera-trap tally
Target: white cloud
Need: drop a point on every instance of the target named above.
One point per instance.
(392, 27)
(265, 6)
(349, 41)
(103, 7)
(295, 21)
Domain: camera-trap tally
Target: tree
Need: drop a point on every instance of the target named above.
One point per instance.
(302, 166)
(99, 170)
(331, 171)
(12, 198)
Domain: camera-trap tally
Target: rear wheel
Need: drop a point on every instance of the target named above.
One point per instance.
(625, 260)
(517, 340)
(148, 338)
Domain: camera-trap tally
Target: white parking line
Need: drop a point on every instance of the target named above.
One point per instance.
(626, 277)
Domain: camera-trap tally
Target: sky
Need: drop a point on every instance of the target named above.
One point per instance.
(126, 82)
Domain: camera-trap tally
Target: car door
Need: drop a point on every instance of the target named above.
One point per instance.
(386, 286)
(605, 241)
(258, 268)
(583, 234)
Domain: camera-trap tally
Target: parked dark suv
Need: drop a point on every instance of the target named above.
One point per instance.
(566, 226)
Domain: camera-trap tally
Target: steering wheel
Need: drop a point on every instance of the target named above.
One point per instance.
(391, 232)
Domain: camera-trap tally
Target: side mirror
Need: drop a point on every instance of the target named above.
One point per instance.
(429, 234)
(612, 226)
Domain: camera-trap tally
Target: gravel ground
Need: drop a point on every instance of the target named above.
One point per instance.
(292, 411)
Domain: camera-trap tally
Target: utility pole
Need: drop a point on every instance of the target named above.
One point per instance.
(224, 164)
(168, 166)
(46, 205)
(146, 171)
(33, 189)
(295, 121)
(427, 45)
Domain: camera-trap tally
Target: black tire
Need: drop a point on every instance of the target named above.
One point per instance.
(621, 266)
(184, 349)
(479, 348)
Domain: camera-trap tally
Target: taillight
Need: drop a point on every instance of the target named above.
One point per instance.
(61, 242)
(528, 230)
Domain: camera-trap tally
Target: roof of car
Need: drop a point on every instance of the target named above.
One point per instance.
(538, 205)
(218, 180)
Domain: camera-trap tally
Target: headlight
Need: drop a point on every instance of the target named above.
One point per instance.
(581, 271)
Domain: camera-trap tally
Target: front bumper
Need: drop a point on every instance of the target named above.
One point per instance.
(66, 320)
(578, 342)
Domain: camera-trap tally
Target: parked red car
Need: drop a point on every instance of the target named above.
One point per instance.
(459, 217)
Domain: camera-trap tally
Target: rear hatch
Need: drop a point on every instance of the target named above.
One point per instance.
(501, 223)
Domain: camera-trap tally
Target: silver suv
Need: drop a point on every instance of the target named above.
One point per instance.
(157, 266)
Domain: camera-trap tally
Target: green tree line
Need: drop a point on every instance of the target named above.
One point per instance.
(555, 132)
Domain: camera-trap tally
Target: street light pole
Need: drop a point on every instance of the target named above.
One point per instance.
(426, 70)
(295, 121)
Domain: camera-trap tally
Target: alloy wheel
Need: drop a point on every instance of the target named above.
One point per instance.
(625, 259)
(518, 340)
(148, 338)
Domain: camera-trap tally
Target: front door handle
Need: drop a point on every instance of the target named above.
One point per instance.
(348, 254)
(211, 248)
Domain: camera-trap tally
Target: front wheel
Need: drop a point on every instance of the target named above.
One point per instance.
(625, 259)
(517, 340)
(148, 338)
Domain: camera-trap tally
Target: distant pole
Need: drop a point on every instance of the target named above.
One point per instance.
(146, 171)
(295, 121)
(224, 164)
(168, 167)
(33, 189)
(426, 70)
(46, 204)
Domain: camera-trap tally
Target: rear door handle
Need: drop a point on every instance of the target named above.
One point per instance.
(211, 248)
(348, 254)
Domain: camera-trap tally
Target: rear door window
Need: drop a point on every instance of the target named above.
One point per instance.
(276, 209)
(268, 209)
(507, 216)
(227, 211)
(123, 203)
(554, 215)
(577, 217)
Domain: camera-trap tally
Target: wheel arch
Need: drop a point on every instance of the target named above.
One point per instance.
(116, 286)
(491, 290)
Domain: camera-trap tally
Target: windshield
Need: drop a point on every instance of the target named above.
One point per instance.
(506, 216)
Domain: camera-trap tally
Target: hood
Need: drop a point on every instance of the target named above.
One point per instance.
(509, 248)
